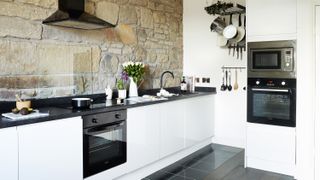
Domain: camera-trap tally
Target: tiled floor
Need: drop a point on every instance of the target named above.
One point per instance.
(206, 163)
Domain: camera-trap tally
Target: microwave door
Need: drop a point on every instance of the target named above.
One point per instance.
(266, 60)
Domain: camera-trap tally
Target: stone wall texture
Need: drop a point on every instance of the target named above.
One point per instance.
(41, 61)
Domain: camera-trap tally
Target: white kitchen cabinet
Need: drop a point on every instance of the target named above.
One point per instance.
(271, 20)
(172, 126)
(143, 135)
(51, 150)
(199, 119)
(271, 148)
(9, 154)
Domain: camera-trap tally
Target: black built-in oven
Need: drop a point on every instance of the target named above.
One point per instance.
(104, 141)
(272, 101)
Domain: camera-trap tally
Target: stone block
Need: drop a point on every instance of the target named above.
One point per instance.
(42, 3)
(17, 58)
(139, 2)
(96, 37)
(17, 27)
(146, 18)
(24, 11)
(107, 11)
(126, 34)
(128, 15)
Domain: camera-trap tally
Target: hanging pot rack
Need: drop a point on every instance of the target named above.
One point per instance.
(223, 9)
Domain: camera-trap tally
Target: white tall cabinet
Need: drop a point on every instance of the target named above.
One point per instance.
(9, 154)
(317, 123)
(269, 20)
(51, 150)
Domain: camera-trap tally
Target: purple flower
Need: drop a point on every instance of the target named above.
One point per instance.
(124, 76)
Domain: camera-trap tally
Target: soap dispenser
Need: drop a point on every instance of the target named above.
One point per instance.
(109, 92)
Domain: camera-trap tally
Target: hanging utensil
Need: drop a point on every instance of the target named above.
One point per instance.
(230, 31)
(230, 86)
(236, 85)
(241, 32)
(223, 86)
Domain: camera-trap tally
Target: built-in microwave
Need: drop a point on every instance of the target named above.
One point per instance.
(272, 59)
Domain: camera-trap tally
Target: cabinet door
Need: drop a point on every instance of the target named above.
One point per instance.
(271, 19)
(172, 127)
(199, 119)
(271, 148)
(9, 154)
(143, 134)
(51, 150)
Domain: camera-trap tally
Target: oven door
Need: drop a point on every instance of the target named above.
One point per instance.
(104, 147)
(272, 106)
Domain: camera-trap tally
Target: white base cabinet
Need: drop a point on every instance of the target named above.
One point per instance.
(143, 134)
(199, 119)
(9, 154)
(172, 127)
(157, 131)
(51, 150)
(271, 148)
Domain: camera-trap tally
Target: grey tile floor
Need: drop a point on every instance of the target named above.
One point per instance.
(202, 165)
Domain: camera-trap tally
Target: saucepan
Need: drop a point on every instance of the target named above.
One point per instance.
(81, 103)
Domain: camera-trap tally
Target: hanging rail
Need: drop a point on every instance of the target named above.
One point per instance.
(233, 67)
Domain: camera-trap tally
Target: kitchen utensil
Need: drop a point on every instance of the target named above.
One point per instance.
(223, 87)
(222, 41)
(234, 49)
(81, 103)
(236, 85)
(230, 86)
(237, 51)
(226, 79)
(240, 32)
(230, 31)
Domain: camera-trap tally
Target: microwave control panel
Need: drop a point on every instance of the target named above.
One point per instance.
(288, 59)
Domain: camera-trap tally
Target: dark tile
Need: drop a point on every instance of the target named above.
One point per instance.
(181, 178)
(217, 157)
(226, 148)
(193, 173)
(160, 175)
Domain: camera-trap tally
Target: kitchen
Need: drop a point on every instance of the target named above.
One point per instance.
(48, 62)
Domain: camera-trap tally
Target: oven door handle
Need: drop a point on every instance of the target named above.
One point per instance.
(270, 90)
(102, 129)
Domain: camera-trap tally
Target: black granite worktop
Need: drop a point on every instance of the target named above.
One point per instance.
(60, 108)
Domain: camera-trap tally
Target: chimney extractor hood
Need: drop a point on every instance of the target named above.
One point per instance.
(71, 14)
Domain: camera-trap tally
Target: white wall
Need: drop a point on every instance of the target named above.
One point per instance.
(203, 58)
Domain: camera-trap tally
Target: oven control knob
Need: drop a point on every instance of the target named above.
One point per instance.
(117, 116)
(95, 121)
(257, 82)
(283, 83)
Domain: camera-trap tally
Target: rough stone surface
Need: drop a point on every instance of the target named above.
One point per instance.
(20, 28)
(128, 15)
(25, 11)
(108, 11)
(146, 18)
(41, 61)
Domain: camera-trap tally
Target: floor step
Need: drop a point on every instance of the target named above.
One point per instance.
(210, 163)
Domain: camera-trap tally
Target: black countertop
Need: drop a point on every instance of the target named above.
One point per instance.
(59, 109)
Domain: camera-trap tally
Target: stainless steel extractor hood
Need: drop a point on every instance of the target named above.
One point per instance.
(71, 14)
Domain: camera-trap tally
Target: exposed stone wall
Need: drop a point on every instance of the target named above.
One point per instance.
(41, 61)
